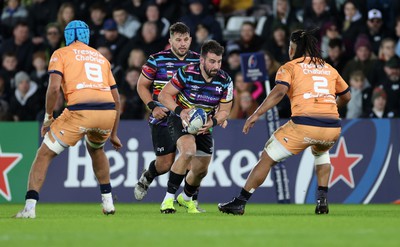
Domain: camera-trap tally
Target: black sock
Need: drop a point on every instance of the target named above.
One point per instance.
(174, 182)
(32, 194)
(105, 188)
(322, 192)
(190, 190)
(196, 194)
(151, 173)
(244, 195)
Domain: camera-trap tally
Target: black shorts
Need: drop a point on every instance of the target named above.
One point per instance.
(162, 141)
(176, 130)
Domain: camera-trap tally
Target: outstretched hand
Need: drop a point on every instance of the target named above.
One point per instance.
(250, 123)
(116, 142)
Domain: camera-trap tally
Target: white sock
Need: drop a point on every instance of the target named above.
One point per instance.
(186, 197)
(30, 204)
(107, 196)
(169, 195)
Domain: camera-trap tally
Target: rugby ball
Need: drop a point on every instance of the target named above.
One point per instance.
(198, 117)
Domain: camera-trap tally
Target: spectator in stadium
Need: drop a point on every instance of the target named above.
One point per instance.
(272, 68)
(277, 45)
(386, 51)
(137, 58)
(352, 26)
(170, 9)
(318, 15)
(21, 44)
(199, 14)
(248, 40)
(116, 69)
(314, 118)
(231, 64)
(136, 8)
(379, 109)
(4, 91)
(329, 32)
(39, 74)
(41, 13)
(53, 39)
(281, 14)
(202, 34)
(92, 112)
(153, 15)
(148, 40)
(65, 14)
(376, 30)
(12, 13)
(364, 60)
(8, 70)
(336, 55)
(98, 14)
(26, 102)
(360, 96)
(127, 24)
(112, 39)
(242, 106)
(133, 107)
(155, 75)
(213, 89)
(391, 84)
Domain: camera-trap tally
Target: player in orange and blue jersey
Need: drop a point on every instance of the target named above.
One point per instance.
(92, 112)
(315, 90)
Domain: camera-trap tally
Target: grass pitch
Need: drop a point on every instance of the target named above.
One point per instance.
(143, 225)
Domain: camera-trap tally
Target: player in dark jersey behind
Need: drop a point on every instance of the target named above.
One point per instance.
(156, 72)
(203, 85)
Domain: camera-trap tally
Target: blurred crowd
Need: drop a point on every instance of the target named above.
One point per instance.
(360, 38)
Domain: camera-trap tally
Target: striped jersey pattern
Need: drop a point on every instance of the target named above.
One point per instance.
(196, 92)
(161, 67)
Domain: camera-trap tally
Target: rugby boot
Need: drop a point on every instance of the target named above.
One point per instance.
(236, 207)
(322, 206)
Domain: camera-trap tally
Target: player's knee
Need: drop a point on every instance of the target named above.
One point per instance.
(53, 145)
(187, 154)
(321, 158)
(276, 151)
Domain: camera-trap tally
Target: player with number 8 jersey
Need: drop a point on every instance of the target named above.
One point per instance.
(92, 112)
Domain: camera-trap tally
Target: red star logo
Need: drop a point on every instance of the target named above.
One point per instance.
(7, 162)
(342, 165)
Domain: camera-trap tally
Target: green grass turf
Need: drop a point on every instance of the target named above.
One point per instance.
(143, 225)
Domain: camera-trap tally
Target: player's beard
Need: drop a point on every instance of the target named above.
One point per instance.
(210, 72)
(180, 52)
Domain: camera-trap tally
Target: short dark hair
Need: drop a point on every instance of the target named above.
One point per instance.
(211, 46)
(335, 43)
(179, 27)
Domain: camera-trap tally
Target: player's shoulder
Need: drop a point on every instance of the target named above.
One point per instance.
(193, 55)
(224, 75)
(163, 53)
(190, 68)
